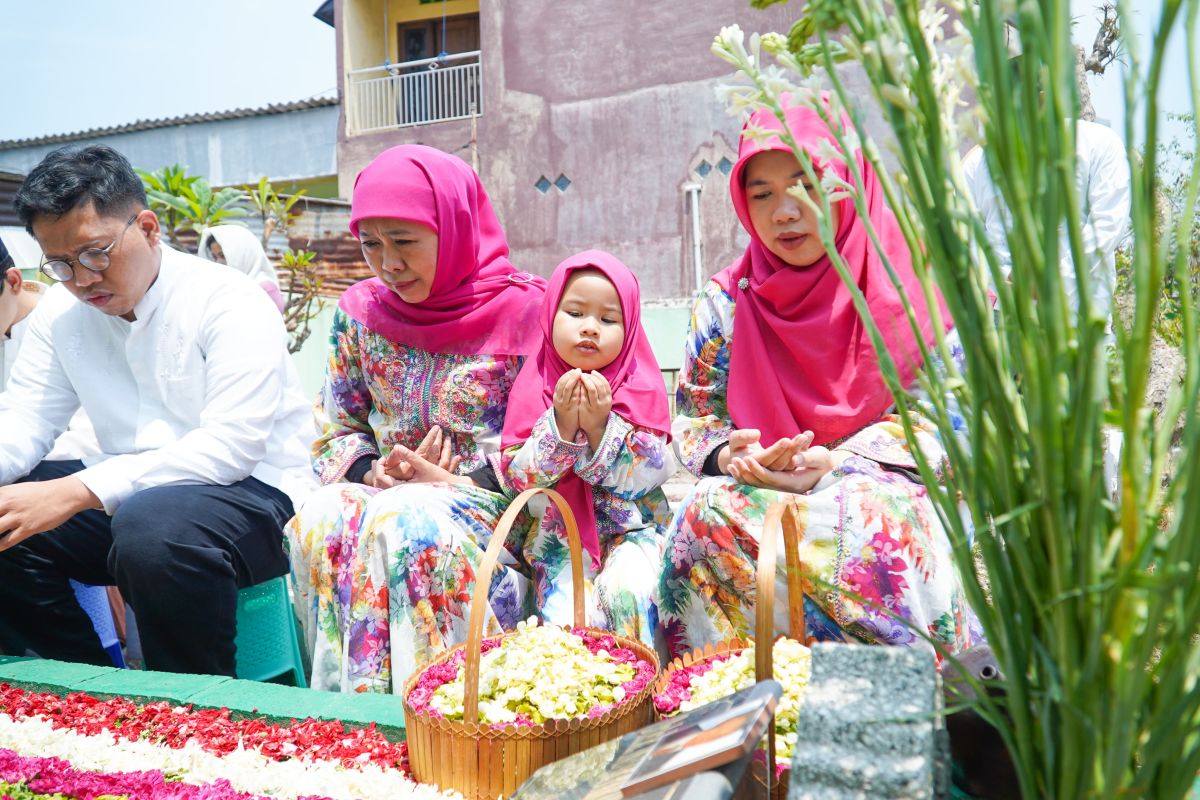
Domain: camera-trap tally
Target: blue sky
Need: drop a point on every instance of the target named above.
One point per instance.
(1108, 91)
(70, 65)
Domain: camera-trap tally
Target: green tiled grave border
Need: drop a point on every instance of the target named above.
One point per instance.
(242, 698)
(246, 698)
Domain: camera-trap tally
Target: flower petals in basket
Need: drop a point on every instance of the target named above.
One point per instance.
(535, 674)
(487, 714)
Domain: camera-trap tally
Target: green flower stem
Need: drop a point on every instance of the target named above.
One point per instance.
(1094, 606)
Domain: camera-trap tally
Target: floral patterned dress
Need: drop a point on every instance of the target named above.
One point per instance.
(875, 555)
(378, 394)
(384, 578)
(626, 473)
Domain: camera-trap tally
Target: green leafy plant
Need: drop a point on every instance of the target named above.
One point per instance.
(207, 207)
(185, 202)
(302, 291)
(276, 211)
(166, 189)
(300, 280)
(1094, 603)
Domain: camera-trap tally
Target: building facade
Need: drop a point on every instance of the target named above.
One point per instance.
(591, 124)
(293, 144)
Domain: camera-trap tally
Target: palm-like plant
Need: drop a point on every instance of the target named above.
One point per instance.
(276, 211)
(206, 207)
(185, 201)
(166, 189)
(1094, 603)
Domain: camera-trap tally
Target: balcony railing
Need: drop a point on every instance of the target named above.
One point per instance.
(415, 93)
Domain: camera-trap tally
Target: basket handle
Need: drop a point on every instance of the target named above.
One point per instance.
(483, 581)
(781, 514)
(785, 515)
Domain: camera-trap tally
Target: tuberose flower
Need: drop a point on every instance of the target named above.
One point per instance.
(537, 673)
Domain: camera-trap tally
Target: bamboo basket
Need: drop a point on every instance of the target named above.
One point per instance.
(484, 762)
(762, 781)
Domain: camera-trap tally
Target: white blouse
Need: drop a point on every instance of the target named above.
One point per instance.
(199, 389)
(1103, 187)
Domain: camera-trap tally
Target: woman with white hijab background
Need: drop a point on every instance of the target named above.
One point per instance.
(238, 247)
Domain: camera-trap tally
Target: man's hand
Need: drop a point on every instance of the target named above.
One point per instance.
(27, 509)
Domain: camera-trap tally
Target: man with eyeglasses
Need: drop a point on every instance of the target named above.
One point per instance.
(183, 367)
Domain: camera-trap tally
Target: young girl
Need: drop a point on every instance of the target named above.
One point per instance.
(588, 416)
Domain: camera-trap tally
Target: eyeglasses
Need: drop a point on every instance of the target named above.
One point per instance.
(97, 259)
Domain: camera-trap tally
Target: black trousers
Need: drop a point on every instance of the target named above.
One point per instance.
(179, 555)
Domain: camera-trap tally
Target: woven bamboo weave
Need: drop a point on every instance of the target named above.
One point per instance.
(483, 761)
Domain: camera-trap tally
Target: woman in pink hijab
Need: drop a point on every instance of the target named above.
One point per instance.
(781, 398)
(423, 356)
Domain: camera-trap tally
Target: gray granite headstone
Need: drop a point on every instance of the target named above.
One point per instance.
(871, 726)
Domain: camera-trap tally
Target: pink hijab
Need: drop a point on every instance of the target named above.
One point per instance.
(801, 357)
(639, 394)
(479, 303)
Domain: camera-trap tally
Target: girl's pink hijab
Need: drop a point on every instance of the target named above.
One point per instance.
(639, 394)
(479, 303)
(801, 357)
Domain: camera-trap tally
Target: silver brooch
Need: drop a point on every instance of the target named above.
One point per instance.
(743, 283)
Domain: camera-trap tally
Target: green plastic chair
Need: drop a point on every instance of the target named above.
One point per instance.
(268, 641)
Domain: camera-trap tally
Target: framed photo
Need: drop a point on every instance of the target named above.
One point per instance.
(681, 756)
(706, 738)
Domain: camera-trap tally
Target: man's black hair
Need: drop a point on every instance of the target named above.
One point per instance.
(6, 263)
(71, 176)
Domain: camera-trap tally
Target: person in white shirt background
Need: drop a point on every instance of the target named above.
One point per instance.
(18, 299)
(1103, 185)
(203, 430)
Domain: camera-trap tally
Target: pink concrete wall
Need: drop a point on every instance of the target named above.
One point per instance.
(618, 97)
